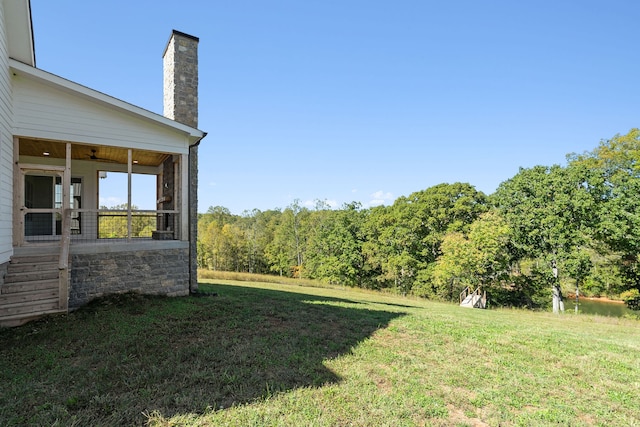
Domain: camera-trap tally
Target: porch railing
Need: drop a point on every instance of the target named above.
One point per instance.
(93, 225)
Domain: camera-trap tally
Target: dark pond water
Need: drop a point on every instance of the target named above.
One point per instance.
(602, 308)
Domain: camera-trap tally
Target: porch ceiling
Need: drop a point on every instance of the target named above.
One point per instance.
(103, 154)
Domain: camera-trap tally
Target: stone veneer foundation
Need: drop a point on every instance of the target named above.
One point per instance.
(3, 272)
(155, 271)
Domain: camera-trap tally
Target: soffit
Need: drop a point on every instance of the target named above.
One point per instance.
(103, 154)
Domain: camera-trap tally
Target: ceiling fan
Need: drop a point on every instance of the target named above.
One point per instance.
(93, 156)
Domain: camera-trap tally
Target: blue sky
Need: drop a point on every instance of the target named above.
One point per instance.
(353, 100)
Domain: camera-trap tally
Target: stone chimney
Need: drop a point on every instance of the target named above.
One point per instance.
(180, 64)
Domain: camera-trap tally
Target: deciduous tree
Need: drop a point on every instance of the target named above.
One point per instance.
(550, 210)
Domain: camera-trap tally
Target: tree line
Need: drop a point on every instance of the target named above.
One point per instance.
(546, 230)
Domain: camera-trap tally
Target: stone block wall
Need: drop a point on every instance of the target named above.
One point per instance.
(153, 271)
(180, 65)
(167, 222)
(193, 215)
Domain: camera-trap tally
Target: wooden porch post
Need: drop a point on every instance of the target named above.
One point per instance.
(66, 180)
(184, 197)
(18, 195)
(65, 239)
(129, 171)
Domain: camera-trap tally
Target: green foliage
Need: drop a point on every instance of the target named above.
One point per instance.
(615, 166)
(550, 210)
(453, 269)
(404, 239)
(114, 225)
(334, 248)
(479, 258)
(578, 265)
(285, 253)
(631, 298)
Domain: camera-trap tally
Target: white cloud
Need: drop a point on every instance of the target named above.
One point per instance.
(311, 204)
(375, 202)
(111, 201)
(380, 198)
(332, 203)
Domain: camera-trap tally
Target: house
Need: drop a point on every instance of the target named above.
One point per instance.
(58, 249)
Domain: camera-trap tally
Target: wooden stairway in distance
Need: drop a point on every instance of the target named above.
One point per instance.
(31, 287)
(473, 299)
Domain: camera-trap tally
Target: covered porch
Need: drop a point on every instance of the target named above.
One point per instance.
(58, 185)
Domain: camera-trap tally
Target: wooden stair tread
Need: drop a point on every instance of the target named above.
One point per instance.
(31, 276)
(18, 298)
(31, 266)
(29, 308)
(32, 285)
(33, 259)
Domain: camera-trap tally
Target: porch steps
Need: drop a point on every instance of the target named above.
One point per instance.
(40, 273)
(30, 289)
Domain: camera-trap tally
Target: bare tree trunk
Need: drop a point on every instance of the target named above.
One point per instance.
(558, 303)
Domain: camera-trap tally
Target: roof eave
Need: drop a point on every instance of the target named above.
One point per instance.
(19, 27)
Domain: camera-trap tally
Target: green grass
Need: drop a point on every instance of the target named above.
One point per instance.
(217, 276)
(260, 354)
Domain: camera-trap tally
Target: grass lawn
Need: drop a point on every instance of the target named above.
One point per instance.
(259, 354)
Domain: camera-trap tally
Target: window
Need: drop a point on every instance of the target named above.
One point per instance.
(75, 194)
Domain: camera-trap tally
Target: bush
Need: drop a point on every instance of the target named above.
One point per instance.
(632, 298)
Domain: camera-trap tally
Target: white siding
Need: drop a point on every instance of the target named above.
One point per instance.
(45, 111)
(6, 147)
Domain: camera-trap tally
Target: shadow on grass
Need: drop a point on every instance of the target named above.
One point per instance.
(126, 355)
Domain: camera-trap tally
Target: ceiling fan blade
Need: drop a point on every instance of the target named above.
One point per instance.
(93, 156)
